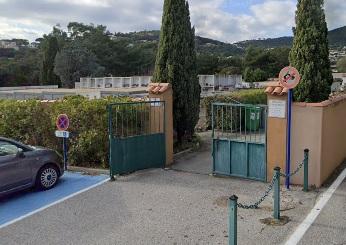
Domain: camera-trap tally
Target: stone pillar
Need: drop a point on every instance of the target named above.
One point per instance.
(276, 129)
(164, 92)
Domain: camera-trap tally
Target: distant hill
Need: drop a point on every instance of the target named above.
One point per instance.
(210, 46)
(337, 39)
(267, 43)
(203, 45)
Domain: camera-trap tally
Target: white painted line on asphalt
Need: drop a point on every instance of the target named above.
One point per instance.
(310, 219)
(52, 204)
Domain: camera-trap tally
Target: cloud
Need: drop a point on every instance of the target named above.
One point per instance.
(335, 13)
(91, 3)
(262, 18)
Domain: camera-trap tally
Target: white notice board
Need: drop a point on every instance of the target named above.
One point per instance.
(277, 108)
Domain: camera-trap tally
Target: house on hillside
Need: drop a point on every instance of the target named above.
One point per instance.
(341, 76)
(8, 45)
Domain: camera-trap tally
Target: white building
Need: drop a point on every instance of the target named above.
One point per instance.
(8, 45)
(341, 76)
(219, 82)
(113, 82)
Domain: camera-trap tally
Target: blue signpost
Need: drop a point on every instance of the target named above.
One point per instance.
(289, 78)
(62, 123)
(288, 145)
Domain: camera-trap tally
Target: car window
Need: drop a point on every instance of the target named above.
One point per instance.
(7, 148)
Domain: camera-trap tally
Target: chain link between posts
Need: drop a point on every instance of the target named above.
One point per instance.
(265, 195)
(294, 173)
(269, 189)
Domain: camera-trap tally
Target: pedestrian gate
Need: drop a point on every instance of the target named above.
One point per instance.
(137, 136)
(239, 140)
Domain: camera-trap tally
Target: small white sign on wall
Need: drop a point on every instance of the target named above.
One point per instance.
(277, 108)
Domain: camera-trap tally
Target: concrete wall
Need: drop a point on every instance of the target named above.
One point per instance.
(320, 127)
(55, 94)
(306, 134)
(28, 87)
(334, 137)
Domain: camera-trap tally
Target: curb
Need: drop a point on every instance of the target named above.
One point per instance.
(89, 171)
(182, 152)
(98, 171)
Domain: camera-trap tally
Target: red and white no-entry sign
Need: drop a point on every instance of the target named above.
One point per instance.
(289, 77)
(62, 122)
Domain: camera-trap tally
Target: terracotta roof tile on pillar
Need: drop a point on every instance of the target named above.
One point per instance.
(158, 88)
(274, 88)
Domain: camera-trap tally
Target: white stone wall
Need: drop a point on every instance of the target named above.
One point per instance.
(114, 82)
(219, 82)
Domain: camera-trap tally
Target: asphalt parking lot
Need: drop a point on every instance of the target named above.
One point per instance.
(17, 206)
(159, 207)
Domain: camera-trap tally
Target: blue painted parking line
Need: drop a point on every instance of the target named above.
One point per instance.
(19, 206)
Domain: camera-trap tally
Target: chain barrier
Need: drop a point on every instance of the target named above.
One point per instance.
(300, 166)
(265, 195)
(269, 189)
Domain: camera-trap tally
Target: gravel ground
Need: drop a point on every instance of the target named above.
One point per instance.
(159, 207)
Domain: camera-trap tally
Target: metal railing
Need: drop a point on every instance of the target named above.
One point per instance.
(239, 122)
(136, 118)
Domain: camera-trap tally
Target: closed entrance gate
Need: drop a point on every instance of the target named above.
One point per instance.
(137, 136)
(239, 140)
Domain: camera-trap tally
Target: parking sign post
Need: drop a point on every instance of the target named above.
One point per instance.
(289, 78)
(64, 140)
(62, 123)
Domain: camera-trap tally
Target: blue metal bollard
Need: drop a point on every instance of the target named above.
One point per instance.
(232, 228)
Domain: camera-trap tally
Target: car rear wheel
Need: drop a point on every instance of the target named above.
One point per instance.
(47, 177)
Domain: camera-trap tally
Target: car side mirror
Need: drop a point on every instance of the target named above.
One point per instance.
(20, 153)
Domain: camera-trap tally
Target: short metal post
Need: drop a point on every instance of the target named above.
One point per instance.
(277, 193)
(306, 170)
(232, 228)
(110, 131)
(64, 145)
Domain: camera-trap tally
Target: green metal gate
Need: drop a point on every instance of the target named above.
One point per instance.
(137, 136)
(239, 140)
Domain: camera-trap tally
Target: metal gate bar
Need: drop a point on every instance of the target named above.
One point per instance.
(137, 136)
(239, 140)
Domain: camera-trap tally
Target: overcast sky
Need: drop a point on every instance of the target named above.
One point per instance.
(225, 20)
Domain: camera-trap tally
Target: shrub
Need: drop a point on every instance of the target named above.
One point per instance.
(33, 122)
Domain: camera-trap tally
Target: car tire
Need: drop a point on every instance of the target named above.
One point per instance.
(47, 177)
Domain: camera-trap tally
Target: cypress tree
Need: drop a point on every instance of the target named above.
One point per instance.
(50, 49)
(310, 52)
(176, 64)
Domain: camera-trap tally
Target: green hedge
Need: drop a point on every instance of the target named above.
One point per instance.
(249, 96)
(33, 122)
